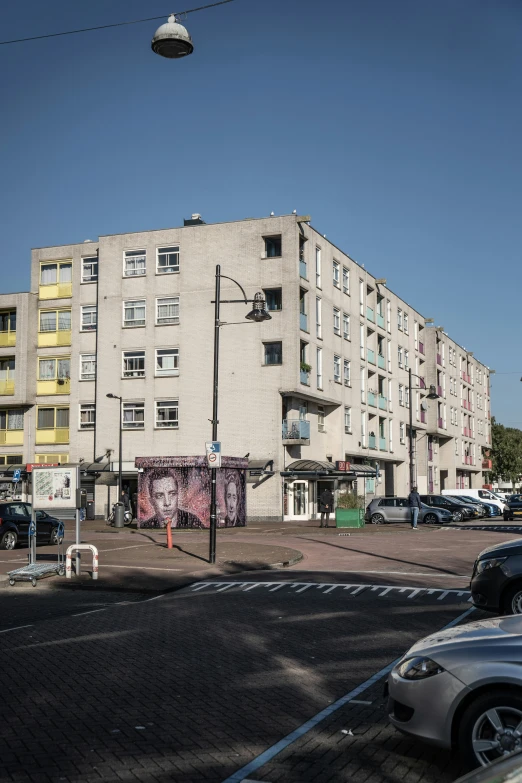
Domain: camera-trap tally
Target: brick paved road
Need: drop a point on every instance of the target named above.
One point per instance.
(192, 686)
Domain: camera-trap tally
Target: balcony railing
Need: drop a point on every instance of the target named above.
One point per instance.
(303, 322)
(371, 356)
(371, 399)
(439, 391)
(465, 404)
(55, 386)
(422, 383)
(11, 437)
(296, 429)
(382, 444)
(487, 464)
(440, 424)
(54, 339)
(380, 320)
(439, 359)
(372, 443)
(305, 377)
(7, 339)
(302, 269)
(468, 461)
(421, 347)
(370, 314)
(383, 402)
(423, 417)
(430, 455)
(55, 291)
(57, 435)
(381, 361)
(7, 382)
(466, 377)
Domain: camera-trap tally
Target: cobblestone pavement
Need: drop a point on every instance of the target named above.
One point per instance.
(192, 686)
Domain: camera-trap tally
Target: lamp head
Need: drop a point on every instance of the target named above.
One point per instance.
(433, 393)
(112, 396)
(259, 312)
(172, 40)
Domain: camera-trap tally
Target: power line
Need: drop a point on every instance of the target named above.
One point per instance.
(116, 24)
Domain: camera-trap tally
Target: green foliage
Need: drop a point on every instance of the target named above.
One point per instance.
(349, 500)
(305, 367)
(506, 452)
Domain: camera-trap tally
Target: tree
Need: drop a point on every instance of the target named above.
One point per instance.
(506, 452)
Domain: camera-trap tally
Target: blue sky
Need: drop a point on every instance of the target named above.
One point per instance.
(396, 125)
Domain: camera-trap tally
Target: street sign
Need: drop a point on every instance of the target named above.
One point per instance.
(16, 475)
(213, 450)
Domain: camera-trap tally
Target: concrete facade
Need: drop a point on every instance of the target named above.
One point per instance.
(340, 391)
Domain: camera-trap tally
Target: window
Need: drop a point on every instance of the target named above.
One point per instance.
(11, 459)
(12, 419)
(390, 403)
(55, 320)
(87, 416)
(361, 297)
(347, 372)
(54, 369)
(56, 272)
(318, 331)
(89, 317)
(405, 322)
(133, 364)
(318, 267)
(273, 353)
(346, 326)
(273, 247)
(60, 459)
(320, 419)
(274, 299)
(399, 356)
(389, 356)
(336, 321)
(133, 415)
(166, 414)
(8, 321)
(134, 263)
(407, 396)
(134, 312)
(399, 318)
(361, 340)
(89, 269)
(406, 359)
(167, 310)
(347, 420)
(363, 428)
(363, 384)
(319, 358)
(337, 369)
(401, 394)
(335, 273)
(52, 418)
(167, 260)
(167, 361)
(402, 432)
(346, 280)
(388, 315)
(87, 366)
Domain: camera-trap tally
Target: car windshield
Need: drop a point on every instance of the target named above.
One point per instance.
(459, 501)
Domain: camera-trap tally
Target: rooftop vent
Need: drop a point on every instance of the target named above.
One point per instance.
(195, 220)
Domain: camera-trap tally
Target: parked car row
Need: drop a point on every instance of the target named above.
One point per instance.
(15, 518)
(436, 509)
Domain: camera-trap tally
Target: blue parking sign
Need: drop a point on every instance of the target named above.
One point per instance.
(16, 475)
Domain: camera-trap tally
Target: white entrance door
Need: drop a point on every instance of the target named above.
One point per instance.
(298, 506)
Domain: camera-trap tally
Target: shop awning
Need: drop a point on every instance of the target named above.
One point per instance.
(260, 467)
(309, 468)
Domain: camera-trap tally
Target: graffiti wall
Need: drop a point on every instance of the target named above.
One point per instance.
(178, 489)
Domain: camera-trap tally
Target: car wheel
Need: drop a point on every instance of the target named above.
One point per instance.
(377, 519)
(488, 728)
(457, 516)
(512, 600)
(431, 519)
(8, 540)
(54, 536)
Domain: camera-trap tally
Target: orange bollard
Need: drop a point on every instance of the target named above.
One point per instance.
(169, 533)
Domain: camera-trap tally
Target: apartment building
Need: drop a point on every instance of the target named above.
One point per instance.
(318, 395)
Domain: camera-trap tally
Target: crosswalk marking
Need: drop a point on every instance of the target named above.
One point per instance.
(410, 592)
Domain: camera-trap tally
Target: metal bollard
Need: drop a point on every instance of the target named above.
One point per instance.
(169, 533)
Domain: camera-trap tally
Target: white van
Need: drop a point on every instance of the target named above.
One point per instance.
(479, 494)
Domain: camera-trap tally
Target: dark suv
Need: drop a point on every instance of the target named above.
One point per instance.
(459, 510)
(15, 518)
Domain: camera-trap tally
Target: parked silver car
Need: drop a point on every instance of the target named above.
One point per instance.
(382, 511)
(462, 688)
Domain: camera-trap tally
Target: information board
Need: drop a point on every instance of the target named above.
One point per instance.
(54, 487)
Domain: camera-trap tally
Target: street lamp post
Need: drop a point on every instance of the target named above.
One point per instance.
(257, 314)
(120, 487)
(431, 396)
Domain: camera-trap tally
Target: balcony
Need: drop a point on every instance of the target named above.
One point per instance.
(383, 402)
(370, 314)
(430, 455)
(468, 460)
(302, 269)
(305, 377)
(439, 391)
(382, 444)
(465, 404)
(372, 442)
(381, 361)
(439, 359)
(421, 383)
(303, 322)
(487, 464)
(296, 432)
(55, 291)
(7, 382)
(421, 347)
(380, 320)
(371, 399)
(370, 355)
(7, 339)
(55, 386)
(440, 424)
(54, 339)
(423, 417)
(466, 377)
(56, 435)
(11, 437)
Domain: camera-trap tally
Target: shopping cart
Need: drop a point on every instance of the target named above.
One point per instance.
(33, 570)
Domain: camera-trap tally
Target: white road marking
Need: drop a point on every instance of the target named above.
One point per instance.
(121, 548)
(92, 611)
(140, 568)
(18, 627)
(274, 750)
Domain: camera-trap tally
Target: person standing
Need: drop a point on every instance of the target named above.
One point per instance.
(326, 500)
(414, 503)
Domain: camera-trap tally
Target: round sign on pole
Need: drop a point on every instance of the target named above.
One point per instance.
(212, 458)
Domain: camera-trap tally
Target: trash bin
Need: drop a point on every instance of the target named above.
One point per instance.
(90, 510)
(119, 515)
